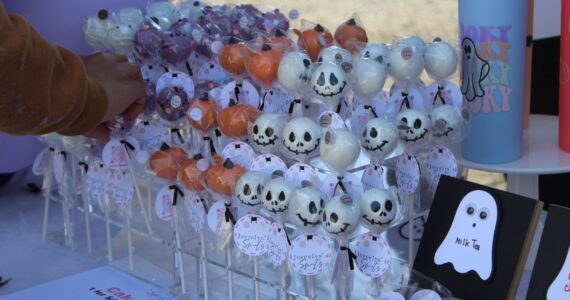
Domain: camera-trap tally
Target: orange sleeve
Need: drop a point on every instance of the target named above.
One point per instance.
(44, 88)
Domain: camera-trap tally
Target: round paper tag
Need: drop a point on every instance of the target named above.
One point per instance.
(152, 135)
(450, 93)
(310, 254)
(40, 163)
(217, 212)
(163, 204)
(97, 179)
(212, 71)
(59, 165)
(114, 153)
(373, 255)
(397, 102)
(278, 245)
(298, 173)
(441, 161)
(197, 212)
(277, 99)
(373, 176)
(195, 114)
(240, 153)
(121, 187)
(268, 164)
(331, 187)
(250, 234)
(248, 94)
(407, 173)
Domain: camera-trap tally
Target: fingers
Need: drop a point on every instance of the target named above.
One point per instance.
(100, 132)
(116, 57)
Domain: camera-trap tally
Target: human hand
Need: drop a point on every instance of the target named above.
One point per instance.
(123, 83)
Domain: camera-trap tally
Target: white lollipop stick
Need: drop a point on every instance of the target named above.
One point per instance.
(46, 187)
(86, 212)
(137, 190)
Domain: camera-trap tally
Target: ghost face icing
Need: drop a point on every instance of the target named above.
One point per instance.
(369, 77)
(306, 207)
(276, 195)
(340, 149)
(379, 138)
(294, 71)
(376, 51)
(474, 70)
(341, 214)
(378, 208)
(468, 245)
(447, 121)
(301, 137)
(405, 62)
(328, 83)
(266, 132)
(440, 60)
(414, 127)
(560, 287)
(334, 54)
(249, 188)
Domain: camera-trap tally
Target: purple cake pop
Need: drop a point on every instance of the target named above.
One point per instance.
(175, 48)
(147, 41)
(272, 21)
(172, 103)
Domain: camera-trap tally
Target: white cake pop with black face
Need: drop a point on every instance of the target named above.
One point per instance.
(440, 60)
(277, 194)
(339, 150)
(378, 208)
(249, 188)
(379, 138)
(294, 71)
(448, 123)
(404, 63)
(368, 78)
(341, 215)
(328, 83)
(376, 51)
(301, 138)
(305, 207)
(266, 132)
(334, 54)
(415, 128)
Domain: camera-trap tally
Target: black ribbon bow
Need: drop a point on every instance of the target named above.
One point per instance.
(177, 131)
(372, 110)
(439, 95)
(84, 165)
(351, 256)
(341, 185)
(292, 105)
(405, 101)
(228, 213)
(211, 143)
(262, 102)
(128, 145)
(237, 91)
(177, 191)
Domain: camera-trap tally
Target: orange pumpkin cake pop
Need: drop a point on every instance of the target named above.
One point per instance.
(222, 178)
(314, 40)
(351, 36)
(234, 121)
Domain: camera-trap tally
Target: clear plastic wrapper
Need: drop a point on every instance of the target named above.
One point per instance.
(415, 129)
(313, 39)
(329, 84)
(166, 162)
(280, 42)
(96, 30)
(191, 10)
(127, 22)
(449, 124)
(334, 54)
(351, 35)
(276, 195)
(441, 60)
(162, 13)
(266, 133)
(263, 66)
(379, 138)
(376, 51)
(235, 121)
(234, 57)
(339, 150)
(301, 139)
(249, 188)
(294, 74)
(192, 173)
(306, 207)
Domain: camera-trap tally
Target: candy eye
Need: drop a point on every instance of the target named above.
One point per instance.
(483, 215)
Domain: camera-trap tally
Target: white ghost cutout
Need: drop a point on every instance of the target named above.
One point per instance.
(560, 287)
(468, 245)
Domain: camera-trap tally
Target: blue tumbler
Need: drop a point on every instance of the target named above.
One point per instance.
(493, 44)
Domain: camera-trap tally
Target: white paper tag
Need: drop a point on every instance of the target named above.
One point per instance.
(397, 103)
(41, 162)
(330, 186)
(217, 213)
(78, 180)
(361, 114)
(176, 79)
(248, 94)
(196, 114)
(121, 187)
(151, 72)
(196, 212)
(415, 83)
(212, 71)
(163, 204)
(310, 254)
(114, 154)
(151, 134)
(251, 234)
(373, 176)
(268, 164)
(240, 153)
(59, 161)
(373, 255)
(407, 173)
(298, 173)
(278, 245)
(441, 161)
(276, 100)
(450, 93)
(329, 120)
(97, 182)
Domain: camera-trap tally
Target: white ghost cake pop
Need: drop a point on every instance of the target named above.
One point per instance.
(162, 12)
(328, 83)
(368, 78)
(305, 208)
(191, 10)
(249, 188)
(440, 60)
(127, 22)
(294, 71)
(301, 138)
(404, 63)
(341, 215)
(266, 132)
(376, 51)
(276, 195)
(334, 54)
(415, 128)
(339, 150)
(378, 208)
(379, 138)
(448, 124)
(96, 30)
(469, 243)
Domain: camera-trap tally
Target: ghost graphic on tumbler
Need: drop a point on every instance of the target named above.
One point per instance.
(474, 70)
(468, 245)
(560, 288)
